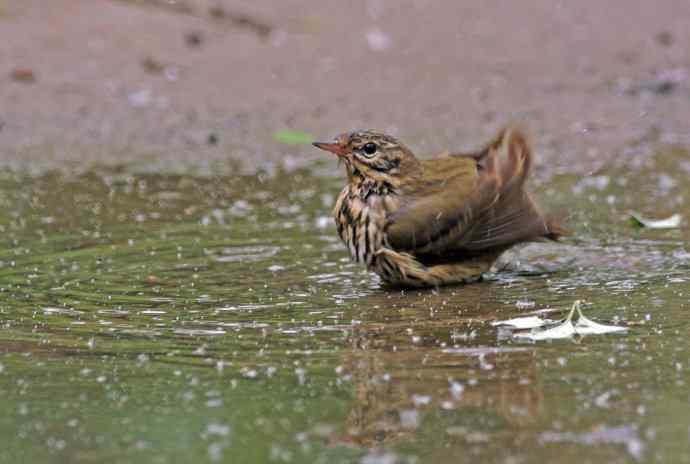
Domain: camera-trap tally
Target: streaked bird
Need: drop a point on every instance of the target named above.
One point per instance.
(439, 221)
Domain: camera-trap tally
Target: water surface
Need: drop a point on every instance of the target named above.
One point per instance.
(173, 318)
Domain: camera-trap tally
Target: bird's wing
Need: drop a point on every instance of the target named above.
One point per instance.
(469, 203)
(437, 208)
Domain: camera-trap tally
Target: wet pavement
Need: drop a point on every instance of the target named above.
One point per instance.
(176, 86)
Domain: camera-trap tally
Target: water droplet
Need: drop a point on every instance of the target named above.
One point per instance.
(456, 390)
(409, 418)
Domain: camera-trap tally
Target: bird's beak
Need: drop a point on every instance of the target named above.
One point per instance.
(333, 147)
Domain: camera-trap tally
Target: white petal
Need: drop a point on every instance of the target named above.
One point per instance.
(529, 322)
(585, 326)
(672, 222)
(563, 330)
(566, 329)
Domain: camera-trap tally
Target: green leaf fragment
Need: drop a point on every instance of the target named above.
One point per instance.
(289, 137)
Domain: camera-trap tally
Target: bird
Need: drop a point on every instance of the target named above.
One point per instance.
(441, 221)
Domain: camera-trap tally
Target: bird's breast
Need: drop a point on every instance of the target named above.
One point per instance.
(360, 224)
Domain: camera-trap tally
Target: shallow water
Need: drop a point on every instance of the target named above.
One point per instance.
(159, 318)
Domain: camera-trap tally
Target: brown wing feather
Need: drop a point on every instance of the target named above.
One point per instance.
(471, 203)
(432, 206)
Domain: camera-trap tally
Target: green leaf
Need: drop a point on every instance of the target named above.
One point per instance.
(289, 137)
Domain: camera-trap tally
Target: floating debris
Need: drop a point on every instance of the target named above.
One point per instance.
(566, 329)
(529, 322)
(585, 326)
(672, 222)
(546, 329)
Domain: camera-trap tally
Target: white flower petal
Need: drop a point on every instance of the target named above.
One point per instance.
(529, 322)
(671, 222)
(563, 330)
(585, 326)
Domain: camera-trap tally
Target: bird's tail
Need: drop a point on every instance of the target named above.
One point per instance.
(505, 164)
(555, 228)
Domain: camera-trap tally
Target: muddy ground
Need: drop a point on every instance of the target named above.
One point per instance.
(195, 83)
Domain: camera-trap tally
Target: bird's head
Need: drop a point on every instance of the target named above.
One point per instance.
(372, 155)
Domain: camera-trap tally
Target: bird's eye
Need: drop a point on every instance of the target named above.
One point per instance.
(370, 148)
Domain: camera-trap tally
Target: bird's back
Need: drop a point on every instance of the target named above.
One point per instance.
(466, 205)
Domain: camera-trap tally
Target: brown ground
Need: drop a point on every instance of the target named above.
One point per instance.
(590, 80)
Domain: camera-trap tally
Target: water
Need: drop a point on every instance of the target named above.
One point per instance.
(160, 318)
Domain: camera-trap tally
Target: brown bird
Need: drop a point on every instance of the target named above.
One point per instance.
(435, 222)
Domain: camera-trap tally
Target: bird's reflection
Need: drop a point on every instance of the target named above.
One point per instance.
(419, 353)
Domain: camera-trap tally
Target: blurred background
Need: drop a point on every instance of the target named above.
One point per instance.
(174, 83)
